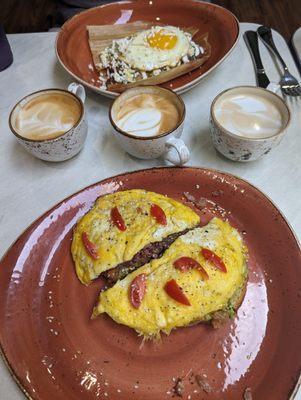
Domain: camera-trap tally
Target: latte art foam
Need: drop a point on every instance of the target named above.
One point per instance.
(47, 116)
(146, 115)
(249, 115)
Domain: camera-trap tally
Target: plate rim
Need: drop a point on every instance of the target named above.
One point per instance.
(3, 356)
(181, 89)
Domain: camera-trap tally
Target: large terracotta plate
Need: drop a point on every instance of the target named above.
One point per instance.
(73, 51)
(55, 350)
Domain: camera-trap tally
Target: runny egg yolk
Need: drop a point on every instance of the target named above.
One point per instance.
(162, 41)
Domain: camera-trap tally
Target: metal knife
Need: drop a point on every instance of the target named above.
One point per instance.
(251, 39)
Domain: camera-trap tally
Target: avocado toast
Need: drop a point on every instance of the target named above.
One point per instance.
(125, 230)
(202, 276)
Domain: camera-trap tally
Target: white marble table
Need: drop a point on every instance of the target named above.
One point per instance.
(29, 186)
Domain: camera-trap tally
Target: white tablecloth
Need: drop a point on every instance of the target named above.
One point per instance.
(29, 186)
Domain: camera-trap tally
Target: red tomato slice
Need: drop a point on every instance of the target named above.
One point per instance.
(117, 219)
(175, 292)
(89, 246)
(215, 259)
(137, 290)
(158, 214)
(186, 263)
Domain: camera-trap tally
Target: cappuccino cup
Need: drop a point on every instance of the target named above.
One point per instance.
(50, 124)
(148, 122)
(247, 122)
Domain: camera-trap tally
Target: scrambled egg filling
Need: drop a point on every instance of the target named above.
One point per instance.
(158, 311)
(114, 246)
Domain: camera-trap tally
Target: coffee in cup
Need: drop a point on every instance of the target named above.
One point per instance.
(148, 122)
(47, 115)
(147, 114)
(50, 124)
(248, 115)
(247, 122)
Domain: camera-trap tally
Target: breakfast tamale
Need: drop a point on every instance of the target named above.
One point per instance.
(141, 53)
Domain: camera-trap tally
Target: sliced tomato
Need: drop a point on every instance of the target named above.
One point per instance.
(214, 259)
(158, 214)
(186, 263)
(175, 292)
(138, 290)
(89, 246)
(117, 219)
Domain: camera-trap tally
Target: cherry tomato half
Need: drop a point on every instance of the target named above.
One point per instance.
(117, 219)
(138, 290)
(175, 292)
(215, 259)
(89, 246)
(158, 214)
(186, 263)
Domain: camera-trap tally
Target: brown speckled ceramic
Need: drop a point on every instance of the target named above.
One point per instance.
(57, 352)
(72, 42)
(67, 144)
(168, 144)
(240, 148)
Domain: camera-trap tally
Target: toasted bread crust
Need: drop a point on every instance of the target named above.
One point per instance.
(241, 296)
(218, 318)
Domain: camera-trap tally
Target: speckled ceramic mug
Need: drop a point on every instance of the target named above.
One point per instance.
(166, 144)
(239, 147)
(68, 143)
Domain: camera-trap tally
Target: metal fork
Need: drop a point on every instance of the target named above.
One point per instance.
(288, 83)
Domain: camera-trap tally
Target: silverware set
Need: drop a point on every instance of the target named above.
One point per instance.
(288, 83)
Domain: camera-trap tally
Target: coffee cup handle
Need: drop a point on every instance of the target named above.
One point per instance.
(78, 90)
(176, 151)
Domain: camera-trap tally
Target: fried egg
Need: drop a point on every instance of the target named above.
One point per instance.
(99, 244)
(156, 48)
(158, 312)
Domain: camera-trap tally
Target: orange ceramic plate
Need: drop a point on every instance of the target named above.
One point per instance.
(55, 350)
(73, 51)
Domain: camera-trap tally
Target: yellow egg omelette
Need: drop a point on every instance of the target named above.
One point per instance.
(173, 296)
(120, 225)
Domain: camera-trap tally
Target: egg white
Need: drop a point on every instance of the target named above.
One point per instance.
(141, 56)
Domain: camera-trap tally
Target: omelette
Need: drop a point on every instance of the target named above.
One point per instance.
(201, 277)
(125, 230)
